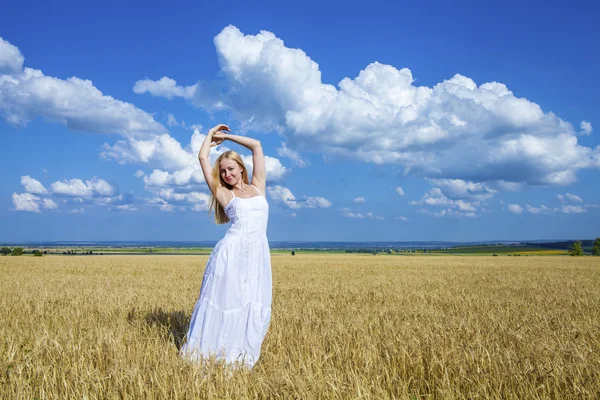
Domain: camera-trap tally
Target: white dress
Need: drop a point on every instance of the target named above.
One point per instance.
(232, 314)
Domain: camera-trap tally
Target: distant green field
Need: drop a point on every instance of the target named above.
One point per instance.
(499, 250)
(463, 250)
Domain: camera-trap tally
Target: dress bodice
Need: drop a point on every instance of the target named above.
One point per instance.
(248, 216)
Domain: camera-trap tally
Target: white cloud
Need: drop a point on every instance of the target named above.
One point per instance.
(31, 203)
(26, 202)
(11, 59)
(515, 208)
(316, 202)
(460, 213)
(568, 197)
(122, 199)
(347, 213)
(434, 197)
(285, 151)
(438, 214)
(49, 204)
(171, 121)
(586, 128)
(537, 210)
(164, 87)
(178, 166)
(359, 200)
(76, 211)
(574, 198)
(400, 191)
(168, 198)
(72, 187)
(95, 187)
(460, 189)
(161, 150)
(455, 129)
(283, 195)
(563, 209)
(292, 215)
(570, 209)
(27, 93)
(125, 207)
(275, 170)
(401, 218)
(32, 185)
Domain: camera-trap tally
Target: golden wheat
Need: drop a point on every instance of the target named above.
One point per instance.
(343, 326)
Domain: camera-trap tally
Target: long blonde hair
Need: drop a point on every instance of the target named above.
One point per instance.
(220, 216)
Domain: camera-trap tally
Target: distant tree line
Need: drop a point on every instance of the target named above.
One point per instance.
(566, 245)
(19, 251)
(382, 250)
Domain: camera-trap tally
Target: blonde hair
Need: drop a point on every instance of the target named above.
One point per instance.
(220, 215)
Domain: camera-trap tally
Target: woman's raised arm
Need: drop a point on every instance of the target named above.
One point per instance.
(204, 152)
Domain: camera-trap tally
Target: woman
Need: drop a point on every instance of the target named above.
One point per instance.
(233, 312)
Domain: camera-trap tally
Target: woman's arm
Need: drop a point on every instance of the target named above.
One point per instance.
(259, 178)
(207, 169)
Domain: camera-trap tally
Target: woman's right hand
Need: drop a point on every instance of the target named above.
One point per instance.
(217, 138)
(218, 128)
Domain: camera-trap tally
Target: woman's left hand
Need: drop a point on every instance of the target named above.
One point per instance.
(218, 138)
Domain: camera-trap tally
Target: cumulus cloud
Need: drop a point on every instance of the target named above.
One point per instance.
(283, 195)
(401, 218)
(31, 203)
(359, 200)
(455, 129)
(537, 210)
(95, 187)
(32, 185)
(26, 202)
(11, 59)
(347, 213)
(515, 208)
(586, 128)
(171, 121)
(543, 209)
(285, 151)
(124, 207)
(455, 208)
(164, 87)
(569, 197)
(178, 165)
(49, 204)
(467, 190)
(27, 93)
(400, 191)
(168, 198)
(571, 209)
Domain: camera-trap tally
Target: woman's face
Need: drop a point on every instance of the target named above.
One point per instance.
(231, 172)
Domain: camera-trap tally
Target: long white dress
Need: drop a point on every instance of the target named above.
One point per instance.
(232, 314)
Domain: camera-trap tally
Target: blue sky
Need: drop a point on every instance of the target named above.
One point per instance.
(433, 121)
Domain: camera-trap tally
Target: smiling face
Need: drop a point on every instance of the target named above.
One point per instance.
(230, 171)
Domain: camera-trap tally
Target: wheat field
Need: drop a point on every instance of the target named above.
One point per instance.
(343, 326)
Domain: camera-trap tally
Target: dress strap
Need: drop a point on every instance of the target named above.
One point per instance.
(256, 189)
(233, 194)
